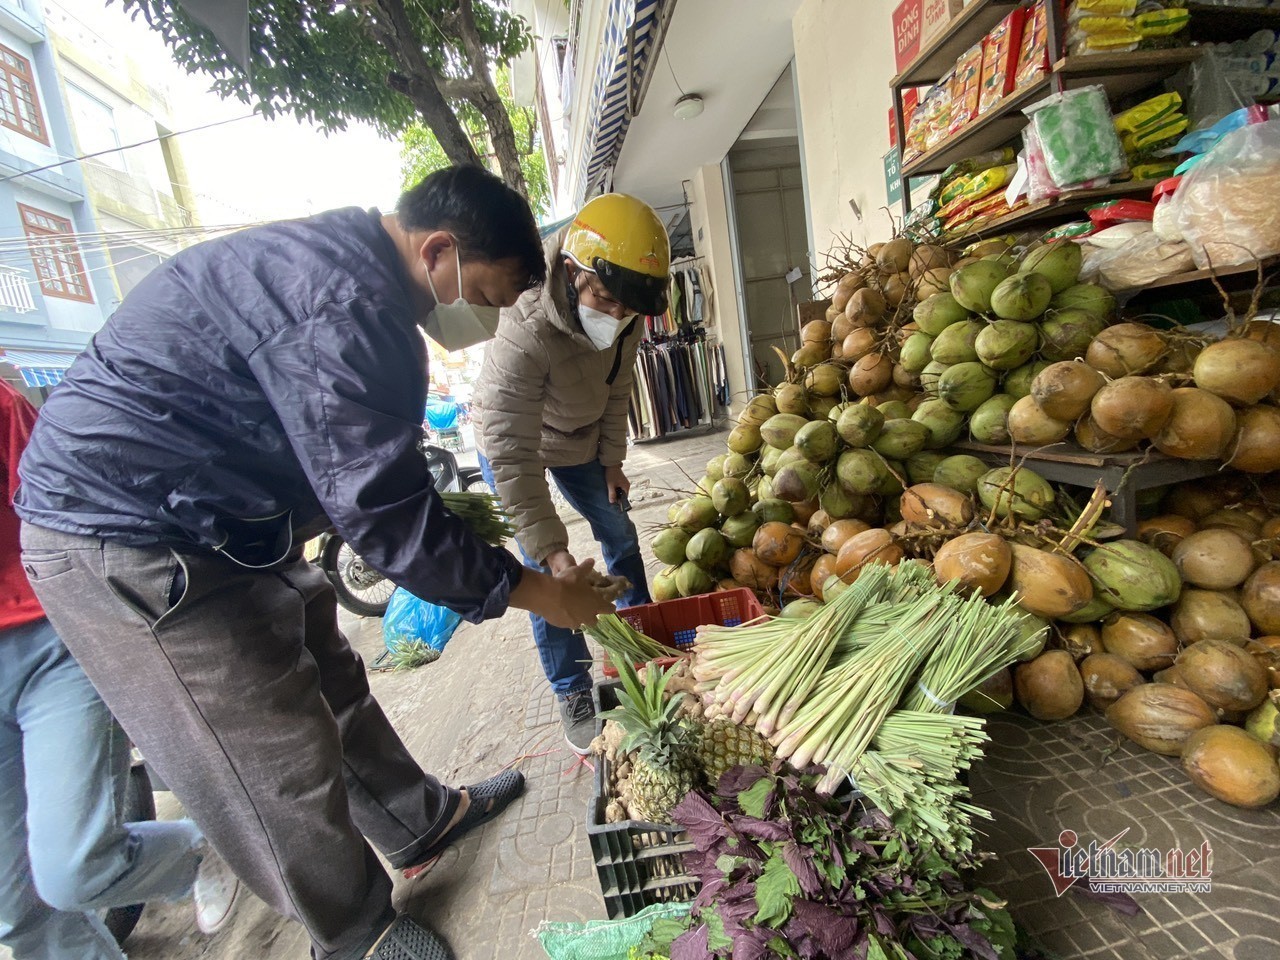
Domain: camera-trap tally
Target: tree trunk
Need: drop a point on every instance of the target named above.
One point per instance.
(390, 27)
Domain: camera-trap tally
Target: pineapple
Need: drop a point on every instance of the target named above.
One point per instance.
(724, 745)
(664, 766)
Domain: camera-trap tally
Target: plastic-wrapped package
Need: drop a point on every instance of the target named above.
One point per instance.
(1000, 59)
(1078, 136)
(1140, 259)
(1040, 185)
(1227, 207)
(966, 88)
(1033, 49)
(1213, 96)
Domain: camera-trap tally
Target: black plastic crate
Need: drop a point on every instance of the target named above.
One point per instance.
(638, 863)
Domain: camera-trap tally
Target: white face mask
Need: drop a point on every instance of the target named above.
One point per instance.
(458, 325)
(601, 328)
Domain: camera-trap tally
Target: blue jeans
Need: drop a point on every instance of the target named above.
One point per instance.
(64, 766)
(565, 657)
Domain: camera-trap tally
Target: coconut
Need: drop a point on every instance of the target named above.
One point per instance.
(936, 313)
(960, 472)
(1080, 639)
(1261, 597)
(745, 439)
(916, 353)
(1093, 611)
(1165, 532)
(1027, 423)
(901, 438)
(1107, 678)
(759, 409)
(870, 546)
(894, 410)
(1256, 447)
(707, 548)
(1263, 722)
(1235, 519)
(669, 545)
(841, 327)
(791, 399)
(1215, 559)
(956, 344)
(770, 458)
(839, 502)
(871, 374)
(921, 466)
(696, 513)
(1223, 674)
(1232, 766)
(978, 561)
(1200, 427)
(861, 471)
(1048, 584)
(692, 580)
(780, 430)
(817, 441)
(824, 568)
(1238, 370)
(932, 282)
(735, 465)
(867, 303)
(1125, 350)
(1064, 389)
(1140, 639)
(794, 579)
(777, 544)
(1006, 344)
(774, 510)
(1032, 636)
(858, 344)
(1133, 576)
(1132, 408)
(1049, 687)
(895, 288)
(730, 496)
(715, 468)
(815, 331)
(817, 523)
(810, 355)
(750, 571)
(825, 380)
(859, 425)
(892, 483)
(992, 695)
(1018, 382)
(933, 505)
(1086, 296)
(943, 424)
(663, 586)
(1018, 491)
(739, 531)
(990, 422)
(972, 285)
(1208, 615)
(930, 376)
(820, 407)
(845, 288)
(965, 386)
(834, 537)
(1096, 440)
(928, 257)
(1024, 296)
(895, 256)
(1160, 717)
(797, 481)
(1058, 262)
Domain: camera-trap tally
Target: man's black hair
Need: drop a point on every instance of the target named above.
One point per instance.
(490, 220)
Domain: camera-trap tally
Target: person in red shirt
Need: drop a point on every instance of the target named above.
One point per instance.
(64, 766)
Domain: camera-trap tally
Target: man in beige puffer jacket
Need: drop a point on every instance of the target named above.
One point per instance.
(553, 396)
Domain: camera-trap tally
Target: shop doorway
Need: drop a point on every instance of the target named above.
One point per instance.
(766, 175)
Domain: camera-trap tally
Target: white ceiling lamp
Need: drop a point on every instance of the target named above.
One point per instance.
(688, 107)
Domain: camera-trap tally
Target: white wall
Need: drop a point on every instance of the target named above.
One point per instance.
(19, 144)
(844, 61)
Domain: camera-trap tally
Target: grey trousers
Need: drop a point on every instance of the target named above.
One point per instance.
(245, 696)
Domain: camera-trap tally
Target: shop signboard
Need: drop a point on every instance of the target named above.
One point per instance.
(916, 22)
(893, 176)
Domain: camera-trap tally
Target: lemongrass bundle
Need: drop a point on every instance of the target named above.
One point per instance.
(483, 513)
(623, 643)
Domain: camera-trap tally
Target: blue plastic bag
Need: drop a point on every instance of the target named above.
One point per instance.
(409, 618)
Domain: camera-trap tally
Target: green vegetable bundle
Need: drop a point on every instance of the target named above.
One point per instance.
(623, 643)
(483, 513)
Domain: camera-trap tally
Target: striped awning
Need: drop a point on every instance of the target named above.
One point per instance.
(39, 369)
(626, 53)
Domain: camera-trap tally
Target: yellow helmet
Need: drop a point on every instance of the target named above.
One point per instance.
(621, 240)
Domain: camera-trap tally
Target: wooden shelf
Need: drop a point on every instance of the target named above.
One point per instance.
(1056, 210)
(972, 24)
(1118, 74)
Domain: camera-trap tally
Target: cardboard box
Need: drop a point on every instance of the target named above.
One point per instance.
(916, 23)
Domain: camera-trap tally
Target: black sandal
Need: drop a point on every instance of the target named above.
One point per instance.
(488, 799)
(406, 939)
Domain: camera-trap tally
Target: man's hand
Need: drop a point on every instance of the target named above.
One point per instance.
(615, 480)
(560, 561)
(578, 600)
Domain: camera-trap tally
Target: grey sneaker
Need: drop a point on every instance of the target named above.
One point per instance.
(216, 891)
(578, 714)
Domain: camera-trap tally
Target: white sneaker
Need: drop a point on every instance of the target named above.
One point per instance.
(215, 891)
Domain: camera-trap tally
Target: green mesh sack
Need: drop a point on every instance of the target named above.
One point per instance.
(604, 939)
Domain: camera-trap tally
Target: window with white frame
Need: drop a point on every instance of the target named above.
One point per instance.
(95, 123)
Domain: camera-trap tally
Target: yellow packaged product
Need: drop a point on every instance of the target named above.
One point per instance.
(1148, 112)
(1102, 8)
(1163, 23)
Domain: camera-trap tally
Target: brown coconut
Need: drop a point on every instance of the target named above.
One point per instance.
(859, 343)
(1140, 640)
(936, 505)
(867, 303)
(1194, 500)
(815, 331)
(823, 568)
(750, 571)
(1107, 678)
(1240, 371)
(1266, 650)
(1049, 585)
(1063, 390)
(834, 537)
(1223, 674)
(1233, 518)
(1200, 427)
(1208, 615)
(841, 327)
(871, 374)
(795, 579)
(928, 256)
(1160, 717)
(1030, 425)
(1079, 639)
(1125, 350)
(1261, 598)
(1132, 408)
(777, 543)
(1165, 532)
(937, 280)
(1256, 447)
(1229, 764)
(1214, 559)
(871, 546)
(1049, 687)
(1096, 440)
(977, 561)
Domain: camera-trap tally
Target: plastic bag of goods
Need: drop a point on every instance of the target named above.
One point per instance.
(1131, 255)
(1078, 136)
(1227, 207)
(409, 619)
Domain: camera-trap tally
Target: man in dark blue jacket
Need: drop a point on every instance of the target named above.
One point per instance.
(250, 392)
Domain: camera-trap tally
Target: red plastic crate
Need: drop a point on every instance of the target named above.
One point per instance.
(674, 623)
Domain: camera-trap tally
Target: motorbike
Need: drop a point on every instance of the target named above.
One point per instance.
(363, 590)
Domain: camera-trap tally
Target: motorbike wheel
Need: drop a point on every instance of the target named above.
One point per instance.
(139, 805)
(360, 588)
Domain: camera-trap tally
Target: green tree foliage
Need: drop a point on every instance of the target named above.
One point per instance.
(421, 153)
(392, 63)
